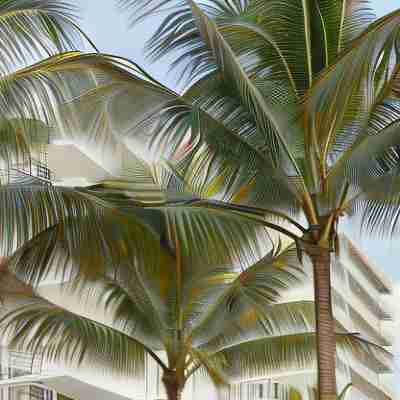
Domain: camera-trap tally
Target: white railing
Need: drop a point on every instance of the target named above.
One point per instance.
(16, 364)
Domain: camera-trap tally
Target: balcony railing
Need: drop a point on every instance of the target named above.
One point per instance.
(28, 392)
(16, 364)
(30, 169)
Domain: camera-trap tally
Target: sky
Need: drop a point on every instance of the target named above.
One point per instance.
(109, 29)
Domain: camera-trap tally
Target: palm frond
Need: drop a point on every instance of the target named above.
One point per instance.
(29, 209)
(36, 29)
(171, 128)
(355, 346)
(19, 139)
(356, 15)
(376, 206)
(30, 98)
(211, 366)
(59, 335)
(197, 22)
(285, 353)
(343, 22)
(86, 246)
(119, 301)
(370, 150)
(247, 301)
(11, 287)
(267, 117)
(256, 322)
(337, 106)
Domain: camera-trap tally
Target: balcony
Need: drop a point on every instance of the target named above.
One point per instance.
(16, 364)
(263, 390)
(25, 171)
(371, 390)
(28, 392)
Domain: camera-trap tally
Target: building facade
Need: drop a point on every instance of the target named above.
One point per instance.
(361, 296)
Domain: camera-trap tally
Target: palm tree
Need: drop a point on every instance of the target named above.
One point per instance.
(30, 31)
(198, 290)
(233, 139)
(290, 110)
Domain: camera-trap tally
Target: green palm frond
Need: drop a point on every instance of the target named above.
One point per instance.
(83, 246)
(268, 118)
(55, 81)
(36, 29)
(356, 15)
(233, 74)
(119, 239)
(257, 321)
(126, 300)
(247, 302)
(12, 288)
(60, 335)
(29, 209)
(212, 367)
(121, 301)
(262, 357)
(340, 99)
(370, 150)
(376, 205)
(268, 355)
(343, 22)
(18, 138)
(35, 93)
(225, 163)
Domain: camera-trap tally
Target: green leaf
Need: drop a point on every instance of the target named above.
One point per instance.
(60, 335)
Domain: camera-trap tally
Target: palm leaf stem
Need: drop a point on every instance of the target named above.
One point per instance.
(251, 210)
(341, 28)
(254, 218)
(307, 32)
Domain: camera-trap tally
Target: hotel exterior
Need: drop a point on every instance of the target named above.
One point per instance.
(361, 298)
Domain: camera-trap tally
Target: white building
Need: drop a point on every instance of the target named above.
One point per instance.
(360, 298)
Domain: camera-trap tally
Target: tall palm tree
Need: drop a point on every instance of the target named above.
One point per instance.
(233, 139)
(196, 289)
(290, 109)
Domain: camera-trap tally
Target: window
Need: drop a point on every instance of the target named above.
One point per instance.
(260, 391)
(276, 390)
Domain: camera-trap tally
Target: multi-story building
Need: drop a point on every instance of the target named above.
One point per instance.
(361, 296)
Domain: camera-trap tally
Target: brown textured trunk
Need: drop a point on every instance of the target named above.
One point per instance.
(326, 337)
(172, 386)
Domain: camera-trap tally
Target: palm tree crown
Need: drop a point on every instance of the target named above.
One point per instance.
(166, 282)
(288, 120)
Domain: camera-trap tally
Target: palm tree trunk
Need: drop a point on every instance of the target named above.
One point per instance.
(172, 386)
(326, 338)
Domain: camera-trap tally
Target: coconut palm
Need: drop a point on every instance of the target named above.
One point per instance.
(233, 139)
(199, 290)
(290, 109)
